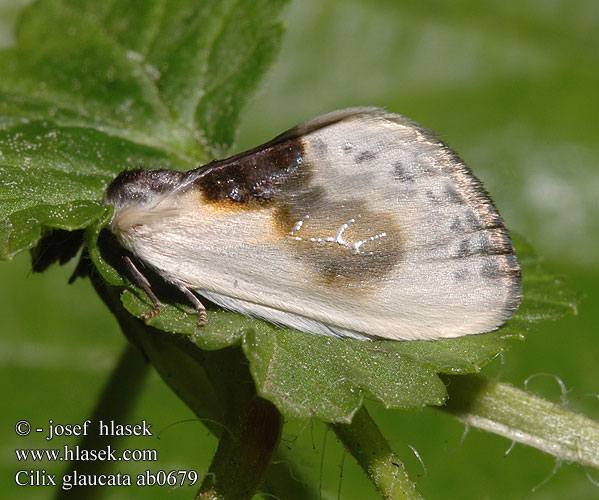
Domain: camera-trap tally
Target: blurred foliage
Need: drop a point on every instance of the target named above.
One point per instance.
(513, 87)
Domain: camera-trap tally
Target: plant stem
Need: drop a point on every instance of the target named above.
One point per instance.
(363, 439)
(522, 417)
(244, 454)
(117, 400)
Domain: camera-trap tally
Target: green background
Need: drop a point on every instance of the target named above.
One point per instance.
(512, 86)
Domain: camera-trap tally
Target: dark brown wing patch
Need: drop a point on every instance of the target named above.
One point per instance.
(249, 180)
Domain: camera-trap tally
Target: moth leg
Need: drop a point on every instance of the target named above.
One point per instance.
(196, 302)
(144, 284)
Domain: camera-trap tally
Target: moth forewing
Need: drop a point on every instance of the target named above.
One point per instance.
(358, 223)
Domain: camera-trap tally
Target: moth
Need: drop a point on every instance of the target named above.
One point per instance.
(359, 223)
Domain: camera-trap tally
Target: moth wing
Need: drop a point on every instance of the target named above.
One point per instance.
(377, 230)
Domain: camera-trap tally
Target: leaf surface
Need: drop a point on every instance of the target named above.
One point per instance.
(89, 90)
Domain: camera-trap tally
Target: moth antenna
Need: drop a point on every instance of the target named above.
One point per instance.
(193, 176)
(144, 284)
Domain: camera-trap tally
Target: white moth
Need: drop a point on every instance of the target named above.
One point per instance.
(358, 223)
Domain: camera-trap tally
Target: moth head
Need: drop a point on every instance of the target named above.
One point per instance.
(140, 187)
(142, 197)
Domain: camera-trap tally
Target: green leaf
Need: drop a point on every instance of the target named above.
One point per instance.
(90, 90)
(82, 98)
(222, 328)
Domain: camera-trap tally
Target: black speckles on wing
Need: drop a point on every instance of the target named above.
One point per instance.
(452, 195)
(484, 242)
(402, 173)
(365, 156)
(490, 270)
